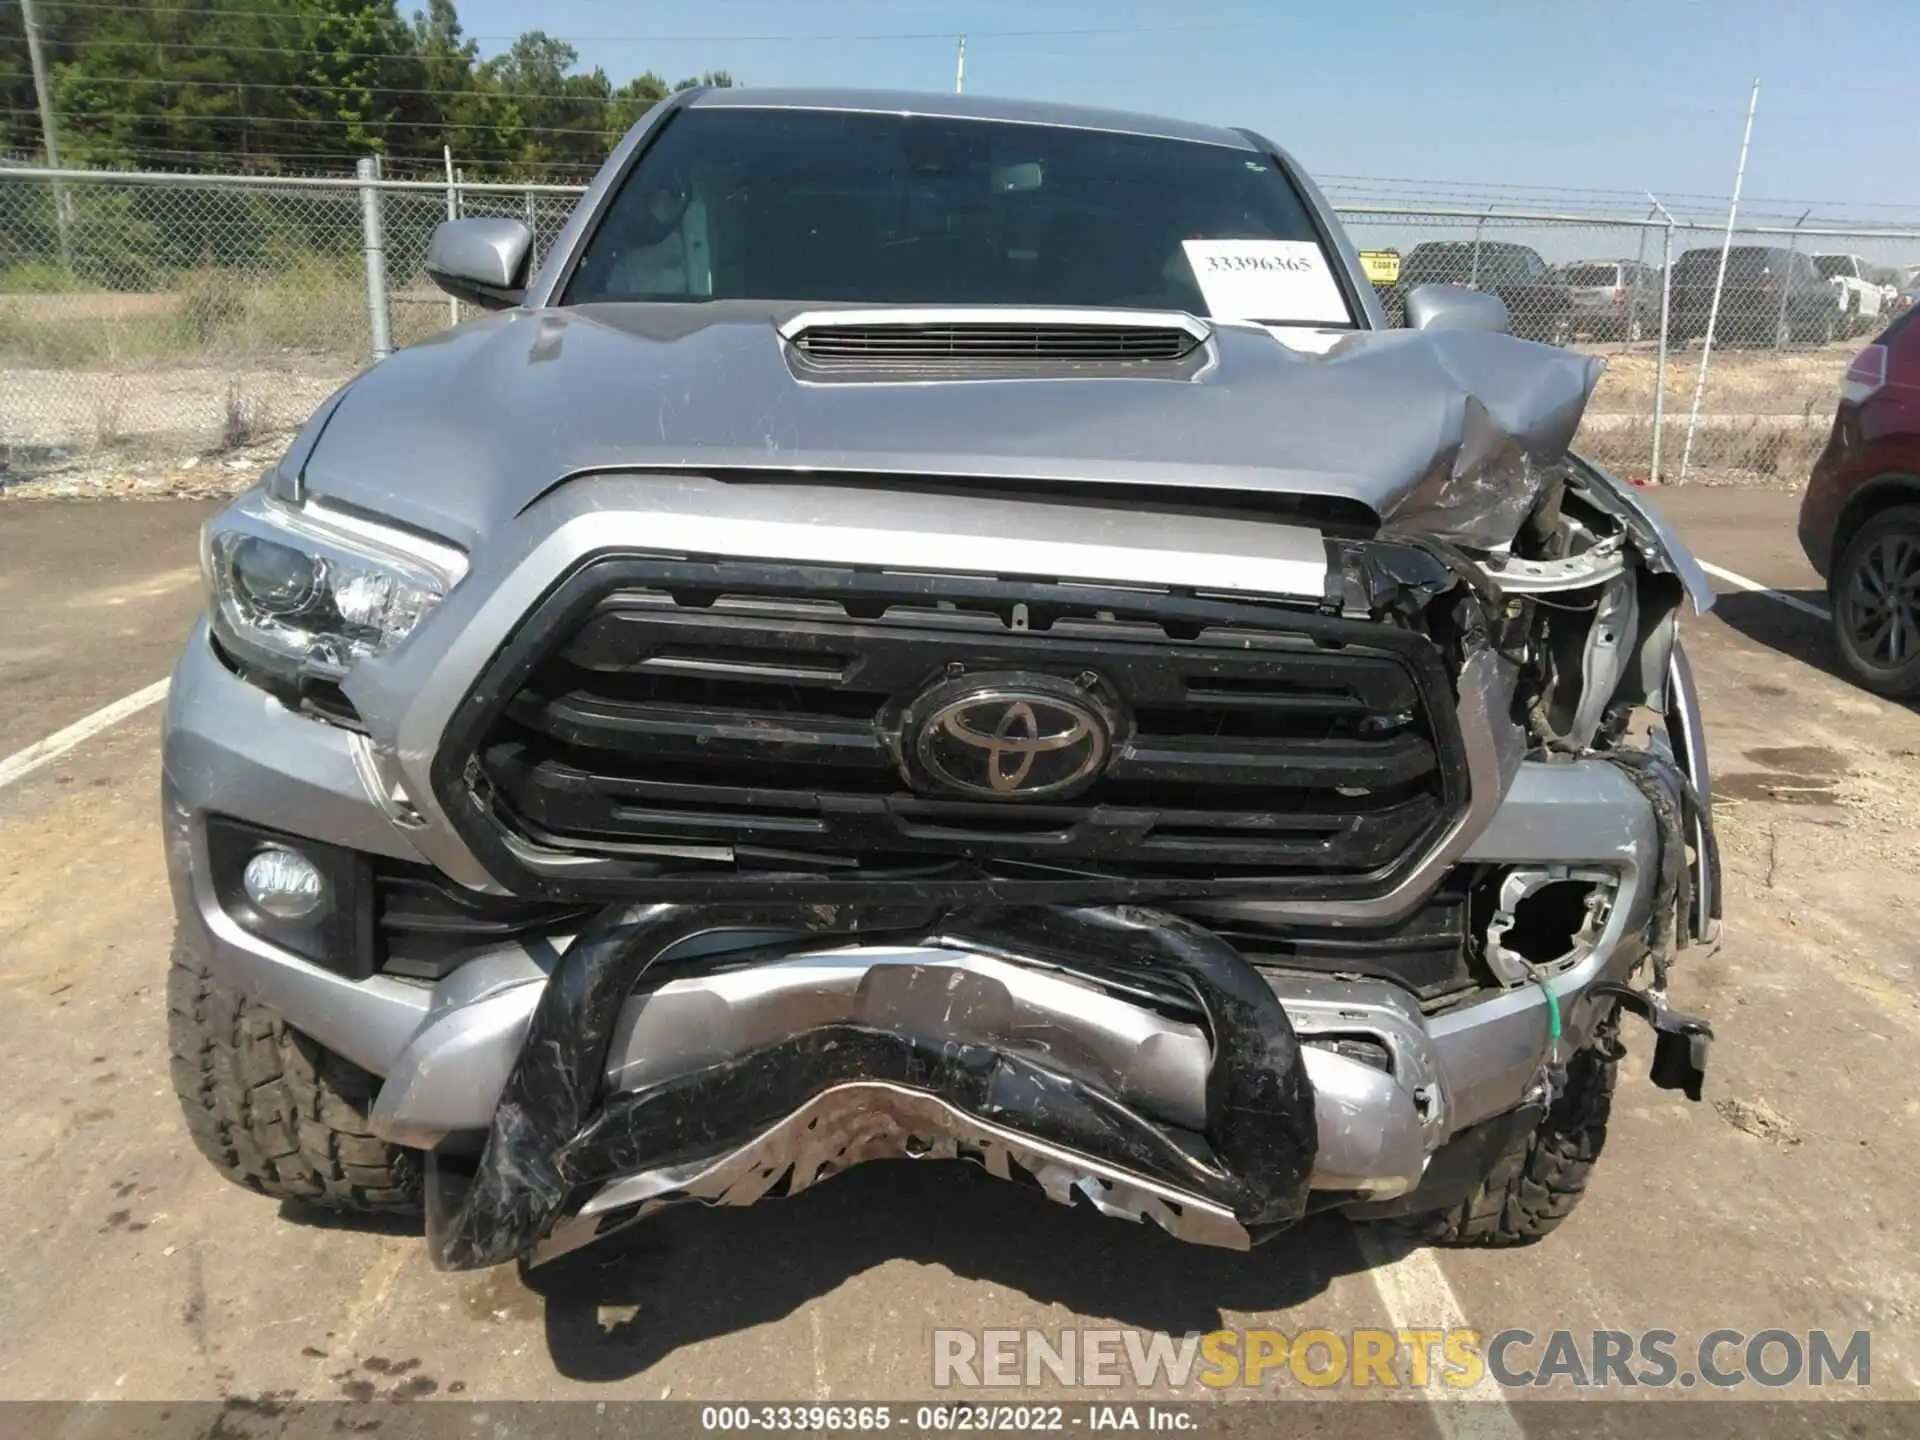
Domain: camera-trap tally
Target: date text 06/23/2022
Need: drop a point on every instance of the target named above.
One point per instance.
(948, 1418)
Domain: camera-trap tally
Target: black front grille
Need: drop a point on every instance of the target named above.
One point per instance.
(1426, 952)
(735, 721)
(866, 345)
(425, 926)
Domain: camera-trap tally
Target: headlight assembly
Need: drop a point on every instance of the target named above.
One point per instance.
(305, 593)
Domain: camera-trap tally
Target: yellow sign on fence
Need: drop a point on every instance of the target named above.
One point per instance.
(1382, 266)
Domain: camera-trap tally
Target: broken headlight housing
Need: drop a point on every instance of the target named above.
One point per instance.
(305, 593)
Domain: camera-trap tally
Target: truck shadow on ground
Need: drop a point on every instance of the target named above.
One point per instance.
(694, 1274)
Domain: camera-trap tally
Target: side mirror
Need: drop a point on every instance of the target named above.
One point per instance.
(482, 259)
(1454, 307)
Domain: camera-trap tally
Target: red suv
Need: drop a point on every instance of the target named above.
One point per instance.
(1860, 519)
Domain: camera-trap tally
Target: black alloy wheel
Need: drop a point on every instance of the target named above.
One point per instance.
(1876, 603)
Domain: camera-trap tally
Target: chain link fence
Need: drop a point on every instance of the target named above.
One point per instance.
(1792, 308)
(188, 314)
(183, 315)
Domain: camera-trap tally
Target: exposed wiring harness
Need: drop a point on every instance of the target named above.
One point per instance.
(1551, 1078)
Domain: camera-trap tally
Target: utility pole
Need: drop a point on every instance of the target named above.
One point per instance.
(453, 213)
(960, 69)
(1719, 281)
(47, 133)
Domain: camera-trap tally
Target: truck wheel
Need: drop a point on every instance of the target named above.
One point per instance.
(273, 1110)
(1876, 603)
(1537, 1181)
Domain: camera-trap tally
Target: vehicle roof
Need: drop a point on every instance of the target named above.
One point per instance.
(1482, 245)
(965, 107)
(1736, 250)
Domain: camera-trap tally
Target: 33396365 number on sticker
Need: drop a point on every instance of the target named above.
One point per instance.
(1274, 282)
(1260, 262)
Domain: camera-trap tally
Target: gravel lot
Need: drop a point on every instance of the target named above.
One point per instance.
(1785, 1201)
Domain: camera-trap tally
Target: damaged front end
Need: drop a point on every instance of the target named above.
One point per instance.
(1166, 1049)
(1207, 863)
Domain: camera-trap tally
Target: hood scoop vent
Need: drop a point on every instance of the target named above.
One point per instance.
(993, 340)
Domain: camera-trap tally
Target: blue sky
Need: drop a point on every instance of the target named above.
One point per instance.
(1608, 94)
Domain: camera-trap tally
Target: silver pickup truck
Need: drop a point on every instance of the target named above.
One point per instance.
(929, 627)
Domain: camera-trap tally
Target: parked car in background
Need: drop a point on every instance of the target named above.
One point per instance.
(1772, 297)
(1860, 297)
(1905, 296)
(1535, 299)
(1860, 517)
(1612, 299)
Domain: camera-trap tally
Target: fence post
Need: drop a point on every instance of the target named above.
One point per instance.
(533, 229)
(1781, 334)
(1639, 264)
(373, 236)
(1473, 279)
(1660, 364)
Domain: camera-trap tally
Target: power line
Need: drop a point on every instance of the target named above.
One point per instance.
(1528, 188)
(203, 47)
(72, 116)
(291, 19)
(474, 93)
(256, 153)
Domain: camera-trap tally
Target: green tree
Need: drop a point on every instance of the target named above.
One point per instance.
(304, 85)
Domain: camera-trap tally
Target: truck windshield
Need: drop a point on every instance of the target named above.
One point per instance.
(854, 207)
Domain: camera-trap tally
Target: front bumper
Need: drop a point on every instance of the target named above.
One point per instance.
(1027, 1041)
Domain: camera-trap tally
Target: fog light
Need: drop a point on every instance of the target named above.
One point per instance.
(285, 884)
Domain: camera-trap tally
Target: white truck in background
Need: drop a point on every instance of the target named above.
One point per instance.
(1861, 299)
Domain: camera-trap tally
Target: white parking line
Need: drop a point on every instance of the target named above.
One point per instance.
(24, 762)
(1418, 1297)
(1792, 602)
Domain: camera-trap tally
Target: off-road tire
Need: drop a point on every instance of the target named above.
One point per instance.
(1537, 1180)
(272, 1109)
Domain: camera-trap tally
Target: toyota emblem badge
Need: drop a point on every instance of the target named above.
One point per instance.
(1018, 737)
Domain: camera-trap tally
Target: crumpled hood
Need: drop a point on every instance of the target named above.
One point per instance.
(458, 434)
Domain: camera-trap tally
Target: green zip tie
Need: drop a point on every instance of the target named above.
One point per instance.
(1541, 978)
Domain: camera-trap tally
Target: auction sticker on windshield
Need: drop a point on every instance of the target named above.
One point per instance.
(1276, 282)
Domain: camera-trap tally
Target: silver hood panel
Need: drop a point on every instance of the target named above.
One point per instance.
(460, 433)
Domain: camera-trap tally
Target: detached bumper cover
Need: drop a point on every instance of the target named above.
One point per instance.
(552, 1135)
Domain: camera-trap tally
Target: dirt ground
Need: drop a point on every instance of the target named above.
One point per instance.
(1785, 1201)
